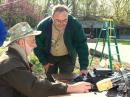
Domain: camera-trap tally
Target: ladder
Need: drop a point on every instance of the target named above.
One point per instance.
(109, 33)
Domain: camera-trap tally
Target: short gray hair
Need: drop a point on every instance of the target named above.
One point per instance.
(60, 8)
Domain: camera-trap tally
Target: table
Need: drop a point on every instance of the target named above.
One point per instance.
(90, 94)
(110, 93)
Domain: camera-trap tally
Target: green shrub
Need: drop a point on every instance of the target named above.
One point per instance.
(37, 66)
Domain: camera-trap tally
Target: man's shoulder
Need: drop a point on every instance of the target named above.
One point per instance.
(71, 18)
(9, 62)
(73, 21)
(45, 21)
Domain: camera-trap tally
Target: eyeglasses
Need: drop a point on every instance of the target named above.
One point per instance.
(57, 21)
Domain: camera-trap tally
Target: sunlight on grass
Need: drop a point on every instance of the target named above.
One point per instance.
(124, 42)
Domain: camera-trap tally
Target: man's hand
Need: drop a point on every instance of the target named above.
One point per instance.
(46, 67)
(83, 72)
(79, 87)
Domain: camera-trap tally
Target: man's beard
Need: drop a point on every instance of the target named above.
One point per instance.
(28, 49)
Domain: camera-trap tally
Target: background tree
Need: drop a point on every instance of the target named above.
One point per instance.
(85, 9)
(104, 8)
(121, 8)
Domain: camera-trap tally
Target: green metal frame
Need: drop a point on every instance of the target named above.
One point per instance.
(108, 25)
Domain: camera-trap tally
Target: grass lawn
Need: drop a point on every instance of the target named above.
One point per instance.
(2, 50)
(124, 42)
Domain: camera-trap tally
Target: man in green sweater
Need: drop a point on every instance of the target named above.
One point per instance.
(61, 40)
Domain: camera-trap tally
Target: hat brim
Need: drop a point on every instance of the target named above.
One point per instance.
(33, 33)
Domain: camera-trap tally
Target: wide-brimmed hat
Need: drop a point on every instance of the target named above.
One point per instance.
(21, 30)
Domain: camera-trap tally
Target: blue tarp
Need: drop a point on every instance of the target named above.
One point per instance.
(3, 32)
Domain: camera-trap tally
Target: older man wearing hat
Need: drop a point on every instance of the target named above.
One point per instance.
(16, 78)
